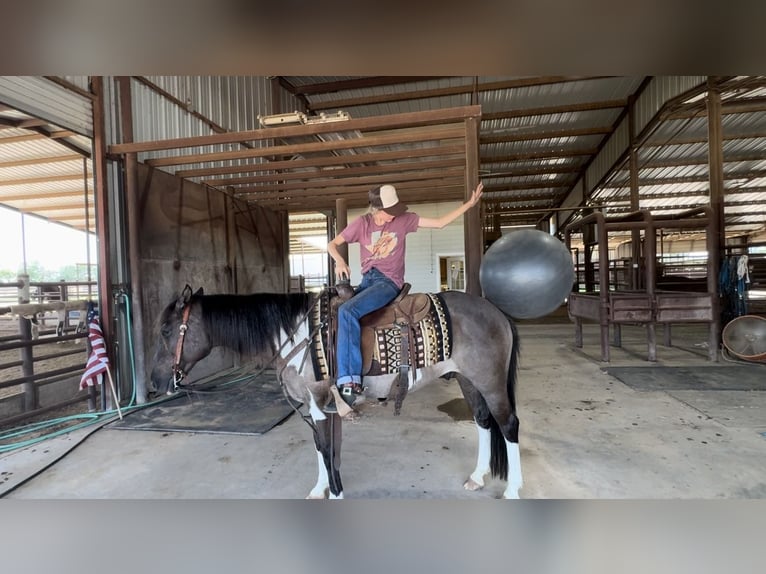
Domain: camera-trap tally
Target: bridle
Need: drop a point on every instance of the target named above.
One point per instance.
(178, 373)
(303, 346)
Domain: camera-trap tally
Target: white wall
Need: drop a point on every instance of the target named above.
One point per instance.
(423, 248)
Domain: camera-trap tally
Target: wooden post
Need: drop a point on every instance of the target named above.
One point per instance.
(27, 360)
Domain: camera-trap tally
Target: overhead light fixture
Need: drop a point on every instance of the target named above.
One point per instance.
(299, 118)
(290, 119)
(323, 118)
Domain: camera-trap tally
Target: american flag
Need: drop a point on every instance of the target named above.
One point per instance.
(98, 362)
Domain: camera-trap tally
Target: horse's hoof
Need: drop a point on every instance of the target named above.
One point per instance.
(472, 485)
(322, 496)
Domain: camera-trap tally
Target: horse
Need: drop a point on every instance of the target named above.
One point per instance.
(276, 328)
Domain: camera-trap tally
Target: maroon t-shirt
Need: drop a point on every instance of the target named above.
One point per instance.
(382, 246)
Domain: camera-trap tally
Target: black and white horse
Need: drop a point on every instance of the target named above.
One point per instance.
(270, 326)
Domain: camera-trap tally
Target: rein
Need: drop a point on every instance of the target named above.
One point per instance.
(179, 374)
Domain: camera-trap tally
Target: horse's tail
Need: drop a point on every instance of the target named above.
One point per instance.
(498, 460)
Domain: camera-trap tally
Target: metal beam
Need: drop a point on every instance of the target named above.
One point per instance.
(552, 134)
(362, 142)
(468, 88)
(340, 174)
(411, 119)
(40, 161)
(335, 160)
(551, 110)
(539, 154)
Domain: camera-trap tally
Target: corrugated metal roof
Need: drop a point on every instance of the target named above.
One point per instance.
(42, 173)
(540, 137)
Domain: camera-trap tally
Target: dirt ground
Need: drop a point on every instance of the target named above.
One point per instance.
(10, 327)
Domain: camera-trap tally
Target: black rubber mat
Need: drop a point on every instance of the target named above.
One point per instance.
(732, 377)
(252, 410)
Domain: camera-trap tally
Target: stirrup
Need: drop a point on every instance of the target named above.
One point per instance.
(349, 392)
(346, 393)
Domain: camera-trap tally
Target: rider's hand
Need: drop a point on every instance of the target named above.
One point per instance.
(342, 272)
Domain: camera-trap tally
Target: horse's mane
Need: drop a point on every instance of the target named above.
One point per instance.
(252, 323)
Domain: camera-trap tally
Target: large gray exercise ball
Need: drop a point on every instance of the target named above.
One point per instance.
(527, 273)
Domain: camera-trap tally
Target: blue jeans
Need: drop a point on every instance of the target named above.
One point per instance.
(375, 291)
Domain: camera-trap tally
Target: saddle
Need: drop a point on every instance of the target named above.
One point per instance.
(399, 322)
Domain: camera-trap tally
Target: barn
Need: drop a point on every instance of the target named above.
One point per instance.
(644, 381)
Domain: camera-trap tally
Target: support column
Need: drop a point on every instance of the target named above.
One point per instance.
(102, 212)
(635, 234)
(715, 170)
(717, 236)
(134, 244)
(472, 230)
(341, 220)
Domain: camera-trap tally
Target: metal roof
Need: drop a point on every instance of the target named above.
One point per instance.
(539, 137)
(45, 170)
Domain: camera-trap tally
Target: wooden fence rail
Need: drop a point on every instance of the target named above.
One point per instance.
(23, 377)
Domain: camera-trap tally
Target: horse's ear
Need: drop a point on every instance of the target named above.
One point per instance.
(199, 291)
(184, 298)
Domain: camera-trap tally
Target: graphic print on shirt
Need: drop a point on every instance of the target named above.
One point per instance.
(382, 246)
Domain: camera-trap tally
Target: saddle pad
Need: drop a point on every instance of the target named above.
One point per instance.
(432, 339)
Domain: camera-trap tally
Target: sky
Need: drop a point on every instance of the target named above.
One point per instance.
(50, 244)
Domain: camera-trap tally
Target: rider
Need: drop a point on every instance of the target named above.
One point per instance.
(381, 234)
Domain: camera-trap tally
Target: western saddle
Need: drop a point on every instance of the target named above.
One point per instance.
(403, 313)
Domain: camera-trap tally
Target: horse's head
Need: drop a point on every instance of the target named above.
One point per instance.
(171, 357)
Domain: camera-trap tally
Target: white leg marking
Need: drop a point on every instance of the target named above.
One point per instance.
(323, 483)
(515, 480)
(339, 497)
(316, 413)
(476, 480)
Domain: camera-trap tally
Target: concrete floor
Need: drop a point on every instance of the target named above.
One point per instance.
(584, 435)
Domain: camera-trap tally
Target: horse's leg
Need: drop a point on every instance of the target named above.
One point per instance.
(327, 439)
(497, 455)
(481, 417)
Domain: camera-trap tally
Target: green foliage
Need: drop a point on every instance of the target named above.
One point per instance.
(38, 274)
